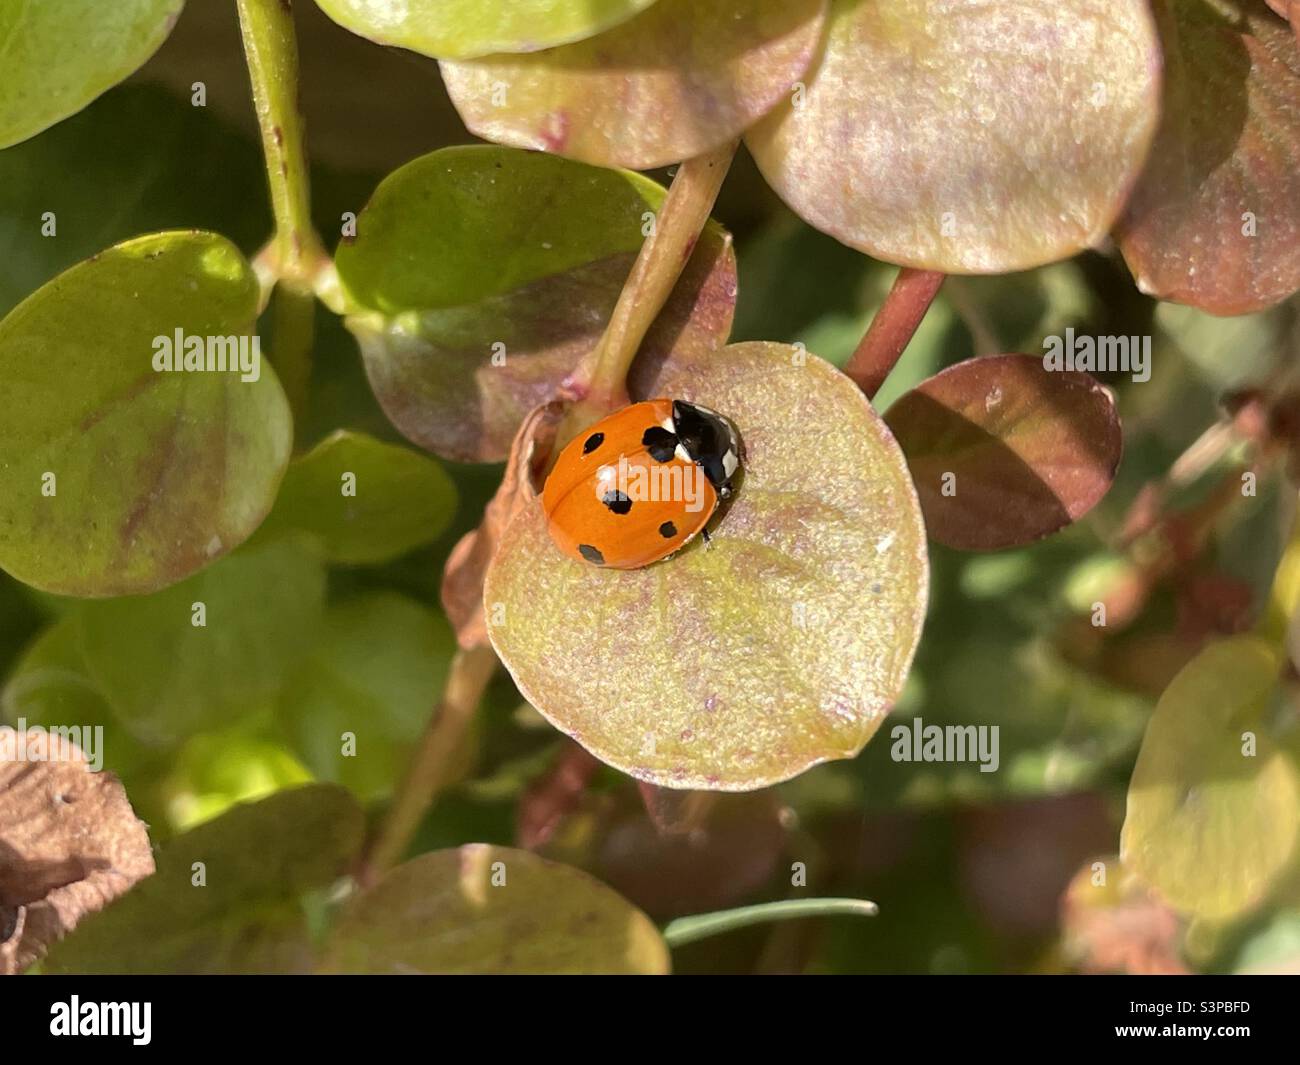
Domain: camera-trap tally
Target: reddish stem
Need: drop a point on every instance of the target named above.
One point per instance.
(892, 327)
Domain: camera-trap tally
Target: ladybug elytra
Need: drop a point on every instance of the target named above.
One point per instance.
(641, 483)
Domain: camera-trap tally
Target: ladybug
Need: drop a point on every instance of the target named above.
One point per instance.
(640, 483)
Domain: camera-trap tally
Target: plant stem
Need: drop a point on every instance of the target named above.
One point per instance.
(427, 774)
(689, 929)
(294, 324)
(892, 327)
(599, 385)
(296, 254)
(676, 813)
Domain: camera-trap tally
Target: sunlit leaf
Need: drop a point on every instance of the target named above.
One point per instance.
(214, 771)
(55, 57)
(1213, 816)
(481, 909)
(363, 500)
(479, 276)
(210, 650)
(225, 898)
(979, 136)
(779, 645)
(462, 28)
(1213, 221)
(1005, 451)
(119, 478)
(676, 81)
(356, 705)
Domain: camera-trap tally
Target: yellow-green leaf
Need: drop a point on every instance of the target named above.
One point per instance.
(782, 643)
(1211, 824)
(482, 909)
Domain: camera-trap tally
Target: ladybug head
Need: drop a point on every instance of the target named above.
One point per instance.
(710, 440)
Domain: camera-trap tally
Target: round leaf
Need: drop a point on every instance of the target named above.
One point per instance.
(976, 136)
(51, 686)
(246, 915)
(715, 68)
(482, 909)
(1209, 825)
(57, 57)
(1005, 451)
(479, 277)
(363, 500)
(117, 478)
(168, 676)
(781, 644)
(1213, 222)
(462, 28)
(375, 675)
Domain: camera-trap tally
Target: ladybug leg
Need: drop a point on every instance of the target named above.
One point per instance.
(707, 538)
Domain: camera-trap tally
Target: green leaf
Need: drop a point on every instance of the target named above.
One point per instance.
(161, 163)
(458, 29)
(919, 108)
(214, 771)
(363, 500)
(482, 909)
(168, 678)
(1213, 221)
(246, 916)
(120, 479)
(782, 643)
(479, 277)
(376, 674)
(51, 686)
(714, 68)
(1005, 451)
(58, 56)
(1210, 826)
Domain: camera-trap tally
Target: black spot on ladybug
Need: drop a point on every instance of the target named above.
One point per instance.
(591, 554)
(659, 442)
(668, 530)
(593, 441)
(617, 502)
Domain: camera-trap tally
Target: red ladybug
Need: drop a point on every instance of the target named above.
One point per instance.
(639, 484)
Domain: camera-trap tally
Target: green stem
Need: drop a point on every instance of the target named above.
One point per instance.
(600, 383)
(271, 48)
(295, 254)
(429, 770)
(689, 929)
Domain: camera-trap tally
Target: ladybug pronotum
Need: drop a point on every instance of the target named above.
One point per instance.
(641, 483)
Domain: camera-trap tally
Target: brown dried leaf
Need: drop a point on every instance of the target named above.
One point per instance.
(69, 843)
